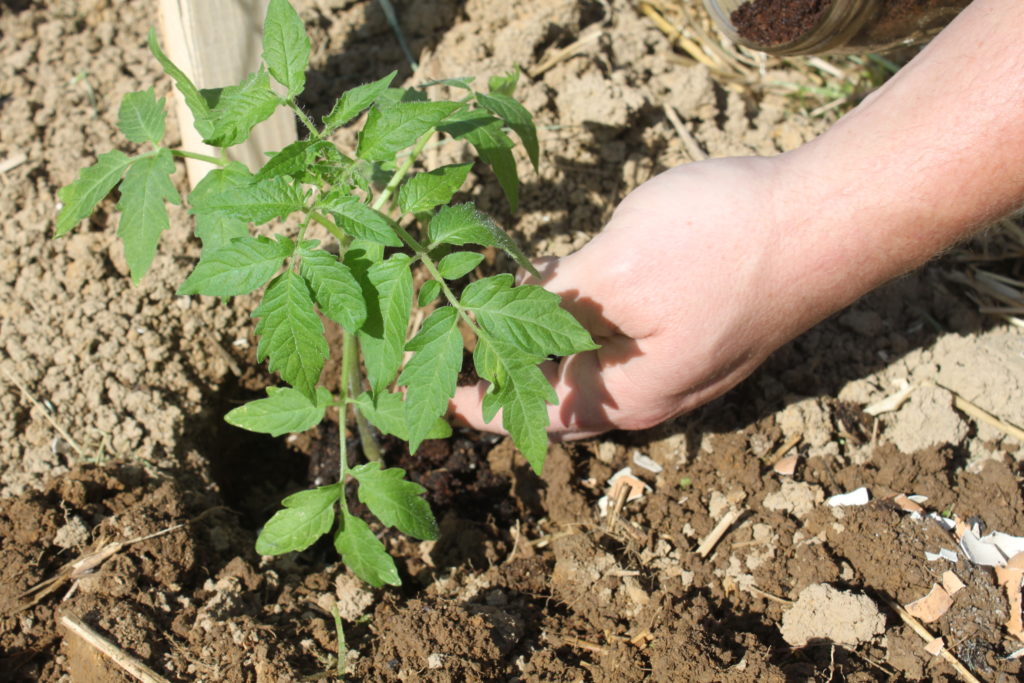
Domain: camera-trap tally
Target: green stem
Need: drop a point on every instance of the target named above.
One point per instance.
(431, 267)
(331, 228)
(306, 121)
(339, 630)
(400, 172)
(371, 449)
(348, 349)
(199, 157)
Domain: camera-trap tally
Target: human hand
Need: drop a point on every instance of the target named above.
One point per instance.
(674, 289)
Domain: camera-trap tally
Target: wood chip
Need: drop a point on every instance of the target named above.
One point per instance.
(932, 606)
(904, 503)
(952, 583)
(787, 465)
(935, 647)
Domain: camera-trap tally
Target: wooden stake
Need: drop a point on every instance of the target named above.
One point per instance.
(217, 43)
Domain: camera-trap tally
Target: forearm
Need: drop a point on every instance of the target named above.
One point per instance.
(934, 154)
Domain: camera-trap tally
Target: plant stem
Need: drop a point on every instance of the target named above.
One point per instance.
(400, 172)
(331, 228)
(342, 646)
(431, 267)
(348, 350)
(306, 121)
(199, 157)
(371, 449)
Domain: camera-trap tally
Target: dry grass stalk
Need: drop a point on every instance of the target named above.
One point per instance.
(46, 413)
(565, 53)
(689, 142)
(982, 415)
(918, 628)
(723, 526)
(126, 662)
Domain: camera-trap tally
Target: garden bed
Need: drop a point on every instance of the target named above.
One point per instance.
(112, 400)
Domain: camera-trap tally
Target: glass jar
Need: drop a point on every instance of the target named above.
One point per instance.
(804, 27)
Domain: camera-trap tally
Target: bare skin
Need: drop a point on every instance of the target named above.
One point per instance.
(705, 270)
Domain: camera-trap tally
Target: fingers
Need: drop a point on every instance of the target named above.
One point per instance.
(583, 408)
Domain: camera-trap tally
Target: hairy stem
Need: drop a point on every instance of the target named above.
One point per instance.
(306, 121)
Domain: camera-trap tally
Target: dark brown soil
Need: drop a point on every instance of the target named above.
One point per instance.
(776, 22)
(528, 580)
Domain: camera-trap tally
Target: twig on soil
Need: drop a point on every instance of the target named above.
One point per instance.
(573, 641)
(768, 596)
(926, 635)
(129, 664)
(12, 162)
(979, 413)
(74, 570)
(781, 451)
(46, 413)
(567, 52)
(723, 526)
(689, 142)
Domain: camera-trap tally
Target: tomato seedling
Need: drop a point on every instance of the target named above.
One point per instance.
(384, 215)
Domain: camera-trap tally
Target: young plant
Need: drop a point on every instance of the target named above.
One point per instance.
(384, 217)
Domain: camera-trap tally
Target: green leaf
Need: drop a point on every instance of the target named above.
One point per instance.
(383, 335)
(431, 373)
(146, 187)
(388, 415)
(364, 554)
(528, 317)
(216, 230)
(285, 410)
(237, 193)
(485, 133)
(291, 333)
(395, 501)
(391, 129)
(237, 109)
(428, 292)
(286, 46)
(392, 96)
(424, 191)
(453, 266)
(354, 101)
(334, 288)
(515, 117)
(293, 159)
(504, 85)
(141, 117)
(464, 224)
(239, 267)
(359, 220)
(193, 98)
(307, 515)
(520, 390)
(95, 182)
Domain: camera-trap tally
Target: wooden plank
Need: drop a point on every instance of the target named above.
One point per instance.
(218, 42)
